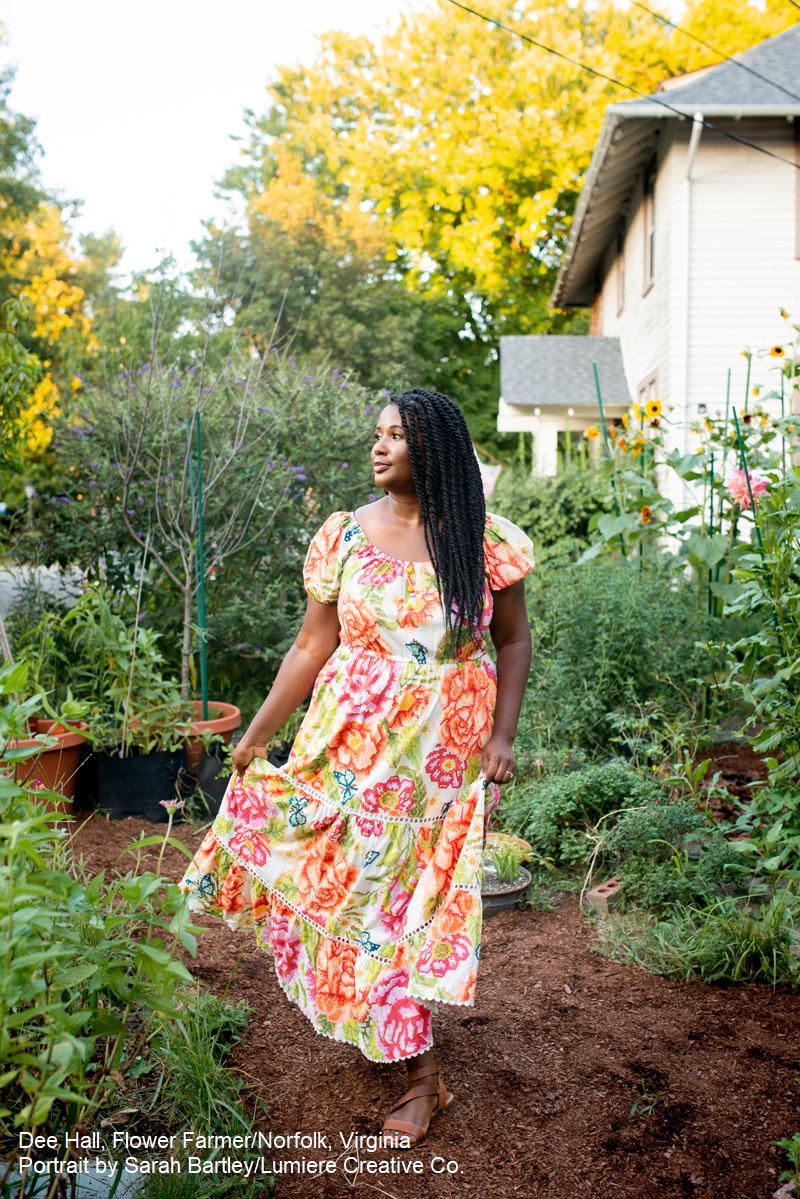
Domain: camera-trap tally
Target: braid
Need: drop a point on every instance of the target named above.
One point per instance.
(450, 493)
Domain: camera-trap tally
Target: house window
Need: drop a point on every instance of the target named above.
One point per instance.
(649, 227)
(620, 273)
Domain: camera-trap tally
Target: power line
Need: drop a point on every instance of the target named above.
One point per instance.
(728, 58)
(626, 86)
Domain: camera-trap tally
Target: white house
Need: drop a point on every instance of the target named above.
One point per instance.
(686, 239)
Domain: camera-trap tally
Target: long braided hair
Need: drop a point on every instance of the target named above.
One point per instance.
(449, 488)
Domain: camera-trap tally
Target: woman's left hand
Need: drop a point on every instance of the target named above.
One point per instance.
(497, 760)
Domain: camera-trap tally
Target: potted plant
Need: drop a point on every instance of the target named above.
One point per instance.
(44, 751)
(505, 879)
(136, 720)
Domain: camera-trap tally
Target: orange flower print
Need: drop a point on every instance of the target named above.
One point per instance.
(467, 699)
(321, 557)
(336, 980)
(417, 608)
(502, 562)
(423, 849)
(448, 848)
(323, 877)
(359, 625)
(358, 746)
(205, 860)
(231, 896)
(452, 915)
(409, 707)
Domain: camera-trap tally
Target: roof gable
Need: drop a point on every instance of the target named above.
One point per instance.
(550, 371)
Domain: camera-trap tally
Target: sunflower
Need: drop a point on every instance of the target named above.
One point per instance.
(626, 420)
(623, 445)
(637, 411)
(647, 515)
(756, 391)
(653, 409)
(592, 432)
(613, 432)
(784, 313)
(655, 422)
(776, 352)
(636, 450)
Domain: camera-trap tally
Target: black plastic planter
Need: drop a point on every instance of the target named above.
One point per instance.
(137, 786)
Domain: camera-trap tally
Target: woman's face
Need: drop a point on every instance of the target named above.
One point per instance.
(391, 463)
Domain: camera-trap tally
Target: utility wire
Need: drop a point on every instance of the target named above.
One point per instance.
(741, 65)
(734, 137)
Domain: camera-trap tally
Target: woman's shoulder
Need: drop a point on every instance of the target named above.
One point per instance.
(508, 551)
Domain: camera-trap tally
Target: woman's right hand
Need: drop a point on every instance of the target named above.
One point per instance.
(241, 758)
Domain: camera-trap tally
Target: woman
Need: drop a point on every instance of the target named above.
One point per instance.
(359, 862)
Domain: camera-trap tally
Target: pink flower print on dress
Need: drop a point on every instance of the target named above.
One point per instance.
(395, 906)
(737, 488)
(284, 942)
(395, 796)
(250, 845)
(402, 1026)
(442, 956)
(378, 571)
(445, 767)
(369, 687)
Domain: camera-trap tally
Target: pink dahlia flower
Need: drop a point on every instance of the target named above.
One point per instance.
(738, 491)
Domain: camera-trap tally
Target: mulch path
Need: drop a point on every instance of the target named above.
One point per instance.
(545, 1068)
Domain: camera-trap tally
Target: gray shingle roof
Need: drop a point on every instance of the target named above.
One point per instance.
(538, 371)
(777, 59)
(628, 139)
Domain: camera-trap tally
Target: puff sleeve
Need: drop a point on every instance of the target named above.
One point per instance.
(508, 552)
(323, 565)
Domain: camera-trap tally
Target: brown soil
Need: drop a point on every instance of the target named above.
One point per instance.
(737, 768)
(545, 1068)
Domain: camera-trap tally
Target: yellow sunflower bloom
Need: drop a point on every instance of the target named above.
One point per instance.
(626, 420)
(784, 313)
(653, 409)
(623, 445)
(636, 450)
(637, 412)
(756, 391)
(646, 515)
(776, 352)
(592, 432)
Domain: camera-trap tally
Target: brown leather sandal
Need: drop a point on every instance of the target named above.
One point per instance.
(433, 1086)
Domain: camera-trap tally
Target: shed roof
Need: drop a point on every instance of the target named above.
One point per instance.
(628, 139)
(542, 371)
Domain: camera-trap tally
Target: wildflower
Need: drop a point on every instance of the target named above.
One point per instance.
(622, 443)
(76, 383)
(790, 428)
(784, 313)
(738, 489)
(173, 805)
(653, 409)
(756, 391)
(613, 432)
(707, 424)
(647, 515)
(764, 422)
(776, 352)
(592, 432)
(539, 764)
(636, 450)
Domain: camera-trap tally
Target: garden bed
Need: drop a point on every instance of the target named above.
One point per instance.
(546, 1068)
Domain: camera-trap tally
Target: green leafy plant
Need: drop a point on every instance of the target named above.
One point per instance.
(646, 1103)
(791, 1147)
(506, 854)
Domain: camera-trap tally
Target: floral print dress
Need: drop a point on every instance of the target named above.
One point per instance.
(359, 862)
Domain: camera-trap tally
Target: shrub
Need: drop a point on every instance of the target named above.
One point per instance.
(554, 511)
(608, 638)
(555, 816)
(725, 943)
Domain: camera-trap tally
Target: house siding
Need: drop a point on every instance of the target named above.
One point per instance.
(725, 265)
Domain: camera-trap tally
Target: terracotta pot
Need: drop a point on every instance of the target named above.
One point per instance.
(57, 766)
(223, 719)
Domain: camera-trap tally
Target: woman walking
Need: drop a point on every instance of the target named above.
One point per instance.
(359, 862)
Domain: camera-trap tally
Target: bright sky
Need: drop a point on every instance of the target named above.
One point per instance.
(136, 103)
